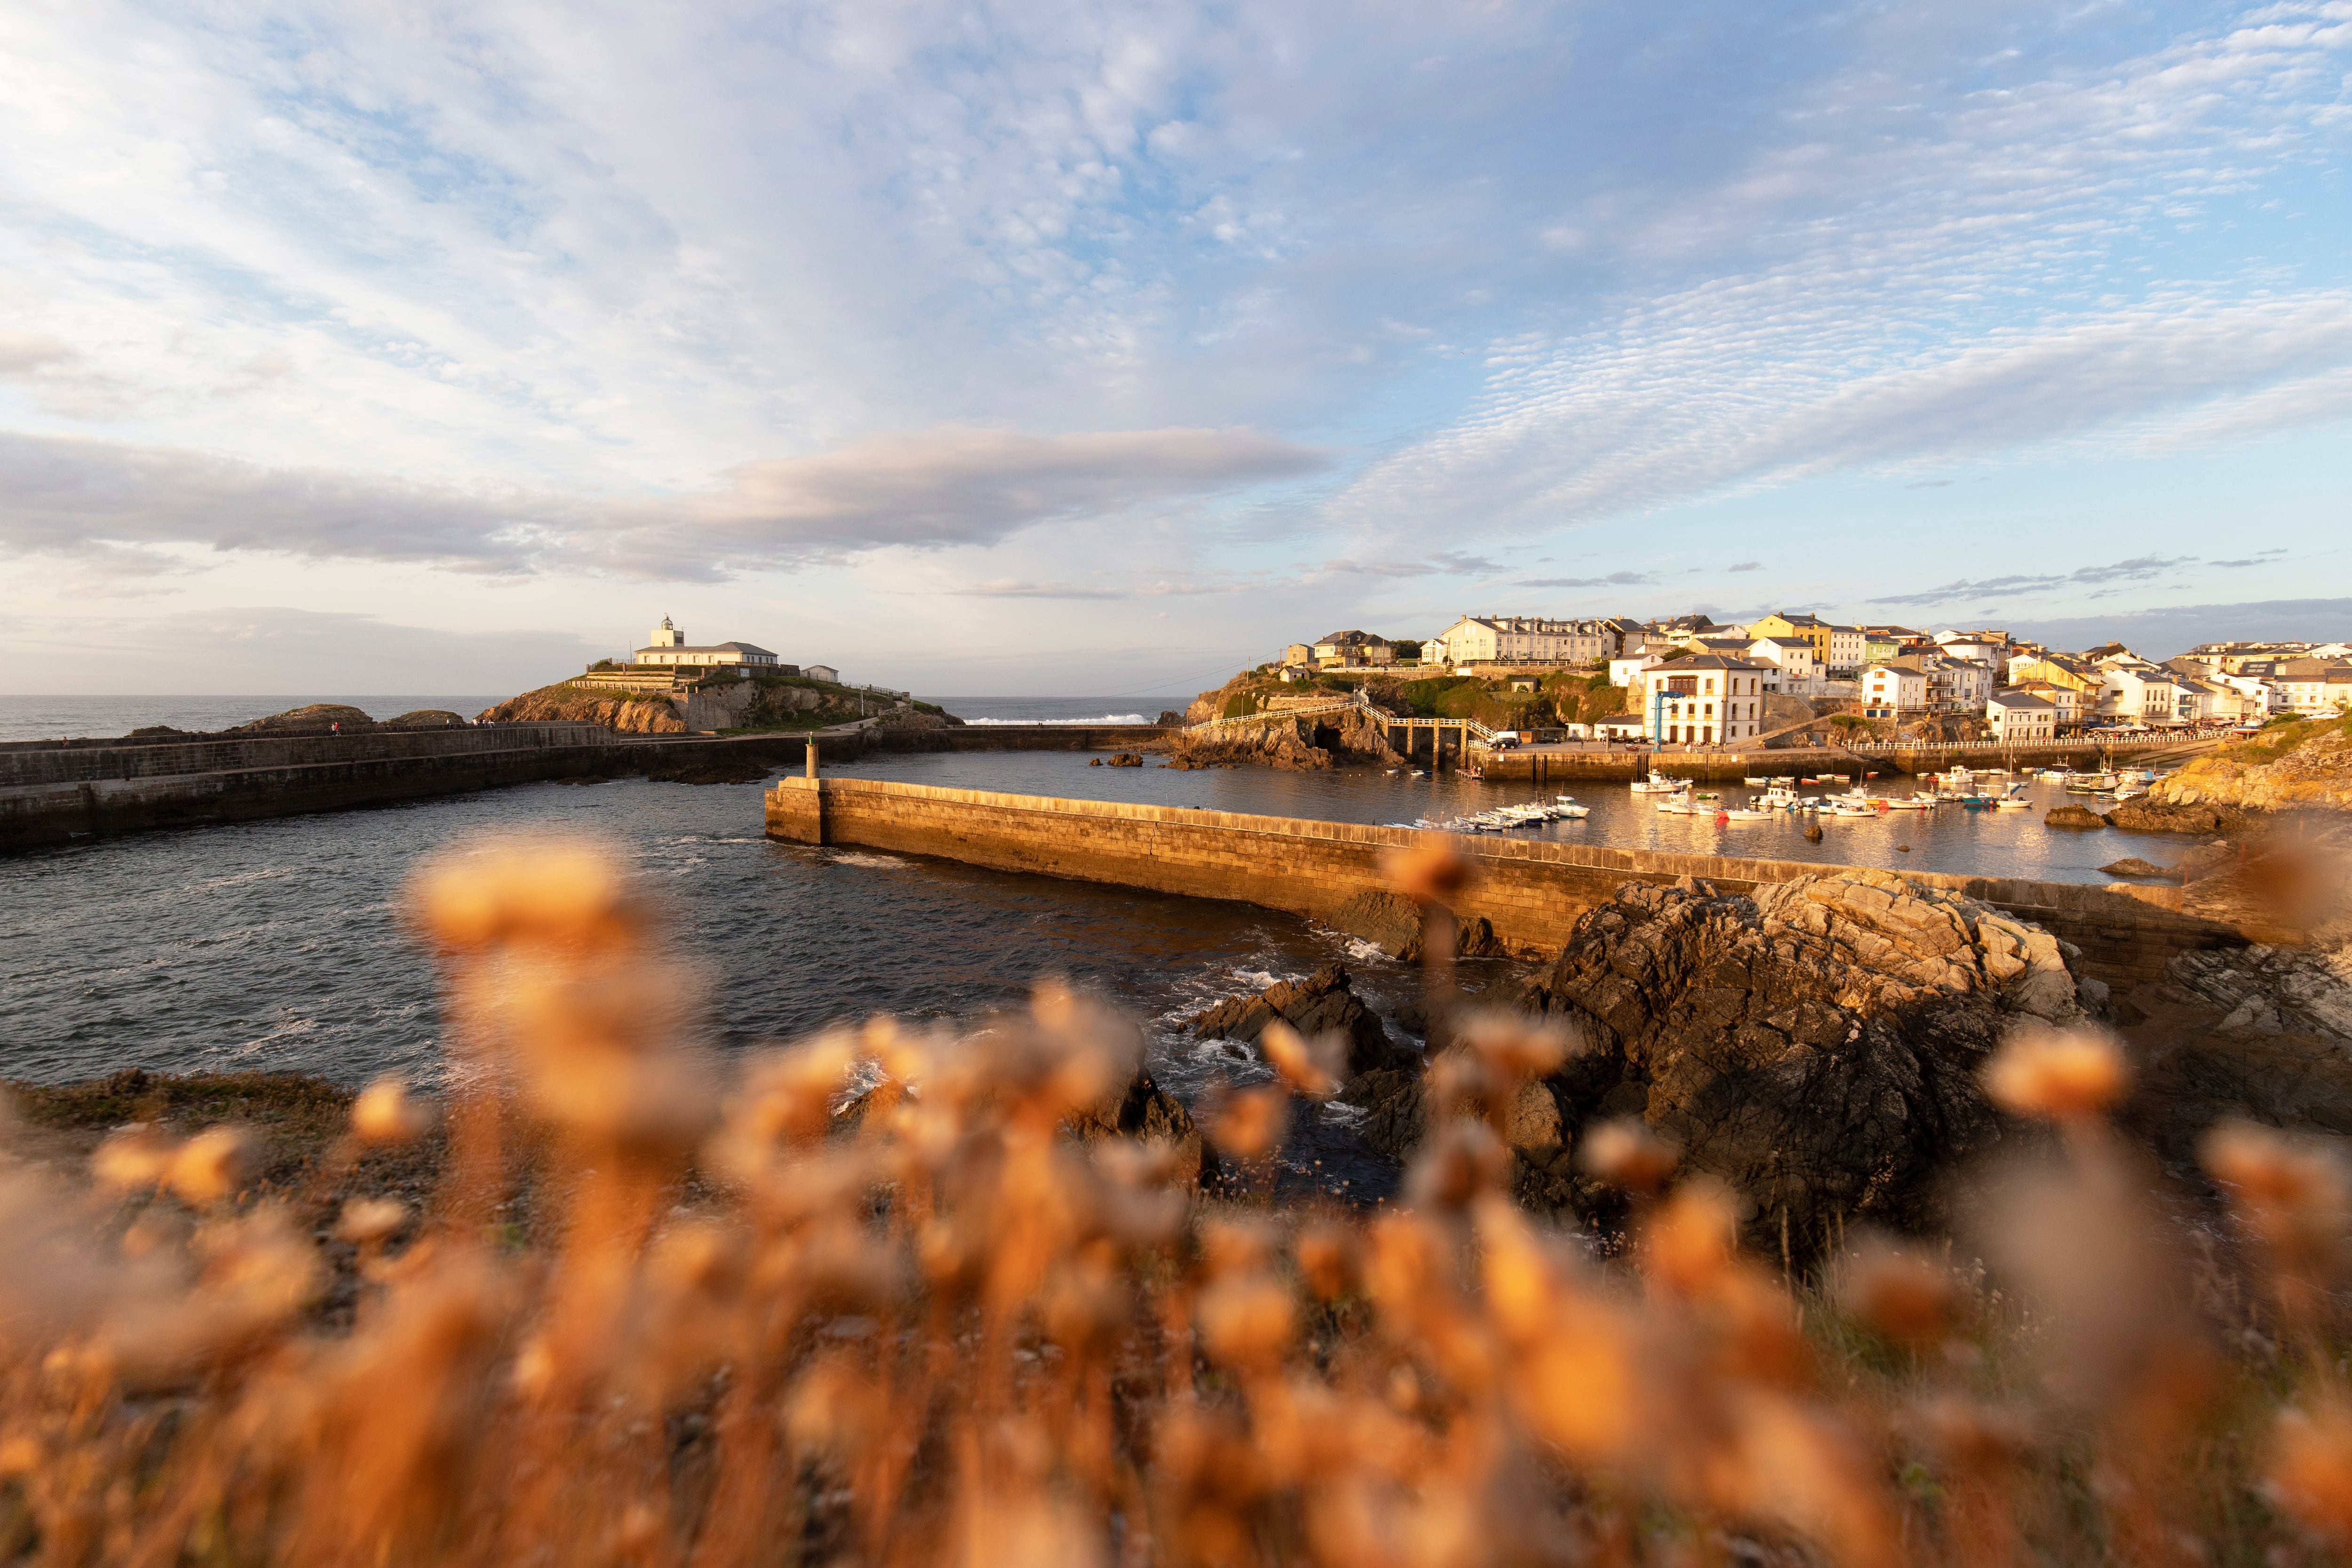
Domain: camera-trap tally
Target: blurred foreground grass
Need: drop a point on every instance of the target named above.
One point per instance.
(607, 1305)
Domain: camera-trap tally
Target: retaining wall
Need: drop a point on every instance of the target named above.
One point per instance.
(1532, 891)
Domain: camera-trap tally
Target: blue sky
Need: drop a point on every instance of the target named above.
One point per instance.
(1087, 348)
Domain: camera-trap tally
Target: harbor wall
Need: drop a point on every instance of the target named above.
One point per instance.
(1546, 765)
(1532, 891)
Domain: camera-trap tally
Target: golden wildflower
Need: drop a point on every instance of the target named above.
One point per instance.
(2311, 1469)
(551, 892)
(2063, 1076)
(2291, 1193)
(132, 1158)
(1326, 1254)
(1428, 872)
(1246, 1319)
(1899, 1296)
(1312, 1067)
(370, 1221)
(214, 1165)
(1625, 1153)
(1248, 1123)
(1686, 1243)
(1513, 1046)
(387, 1116)
(1461, 1160)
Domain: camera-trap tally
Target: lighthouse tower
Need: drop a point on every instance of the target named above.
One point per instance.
(666, 636)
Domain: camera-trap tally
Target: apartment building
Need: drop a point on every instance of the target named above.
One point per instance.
(1706, 700)
(2019, 717)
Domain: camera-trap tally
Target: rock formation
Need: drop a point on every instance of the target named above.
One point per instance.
(314, 718)
(1325, 1003)
(2074, 818)
(647, 713)
(1144, 1109)
(1304, 744)
(1815, 1044)
(426, 718)
(2309, 765)
(2132, 865)
(1394, 924)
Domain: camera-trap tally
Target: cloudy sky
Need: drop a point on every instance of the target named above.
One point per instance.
(1095, 349)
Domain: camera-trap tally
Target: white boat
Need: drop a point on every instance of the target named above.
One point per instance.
(1913, 802)
(1755, 783)
(1780, 798)
(2013, 802)
(1743, 814)
(1658, 783)
(1566, 806)
(1681, 805)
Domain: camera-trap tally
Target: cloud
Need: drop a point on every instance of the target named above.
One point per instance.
(2162, 633)
(259, 648)
(1749, 566)
(2137, 570)
(964, 486)
(1614, 580)
(1445, 563)
(922, 489)
(1008, 589)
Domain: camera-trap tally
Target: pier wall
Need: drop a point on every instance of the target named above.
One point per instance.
(1532, 891)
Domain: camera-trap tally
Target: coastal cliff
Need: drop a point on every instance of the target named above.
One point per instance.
(2295, 766)
(759, 702)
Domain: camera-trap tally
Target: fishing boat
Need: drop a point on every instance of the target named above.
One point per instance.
(2091, 784)
(1755, 783)
(1778, 798)
(1658, 783)
(1911, 802)
(1743, 814)
(1566, 806)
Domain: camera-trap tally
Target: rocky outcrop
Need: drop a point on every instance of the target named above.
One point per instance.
(629, 713)
(1394, 924)
(310, 719)
(1145, 1111)
(2141, 815)
(1304, 745)
(426, 718)
(1815, 1044)
(2305, 766)
(2072, 818)
(2132, 865)
(1325, 1003)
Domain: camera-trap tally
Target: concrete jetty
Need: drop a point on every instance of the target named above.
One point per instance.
(1533, 891)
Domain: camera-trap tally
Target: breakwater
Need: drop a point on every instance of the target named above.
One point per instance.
(58, 793)
(1572, 764)
(1532, 891)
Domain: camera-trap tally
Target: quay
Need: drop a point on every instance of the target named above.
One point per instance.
(1532, 891)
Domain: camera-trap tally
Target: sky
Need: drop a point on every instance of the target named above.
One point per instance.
(1086, 348)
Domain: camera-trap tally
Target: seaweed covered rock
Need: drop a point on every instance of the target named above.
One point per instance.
(1815, 1044)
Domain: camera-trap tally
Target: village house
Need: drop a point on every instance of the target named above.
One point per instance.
(1627, 668)
(2068, 670)
(667, 645)
(1793, 656)
(1957, 684)
(1353, 650)
(2017, 716)
(2314, 686)
(1838, 651)
(1893, 688)
(2066, 703)
(1525, 640)
(1705, 700)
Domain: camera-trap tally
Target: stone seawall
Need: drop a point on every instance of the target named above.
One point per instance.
(1019, 738)
(1533, 891)
(1543, 765)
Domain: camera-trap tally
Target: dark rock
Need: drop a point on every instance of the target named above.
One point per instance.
(1170, 717)
(2142, 815)
(1148, 1112)
(1815, 1045)
(1125, 759)
(1812, 833)
(1394, 924)
(2073, 817)
(1094, 762)
(1322, 1003)
(2132, 865)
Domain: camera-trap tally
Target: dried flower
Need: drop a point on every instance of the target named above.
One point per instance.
(1428, 872)
(2067, 1076)
(1313, 1066)
(1249, 1123)
(1898, 1296)
(371, 1221)
(132, 1158)
(387, 1116)
(1624, 1153)
(2311, 1469)
(214, 1165)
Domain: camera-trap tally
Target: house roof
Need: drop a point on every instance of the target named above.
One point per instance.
(1717, 662)
(1785, 642)
(1909, 664)
(2015, 698)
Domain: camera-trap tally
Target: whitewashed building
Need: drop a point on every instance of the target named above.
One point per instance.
(1893, 687)
(1527, 639)
(666, 646)
(1709, 700)
(2017, 716)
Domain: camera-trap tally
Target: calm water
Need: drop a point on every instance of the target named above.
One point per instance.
(279, 945)
(1947, 838)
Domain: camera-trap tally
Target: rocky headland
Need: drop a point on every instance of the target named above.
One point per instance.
(756, 702)
(2287, 769)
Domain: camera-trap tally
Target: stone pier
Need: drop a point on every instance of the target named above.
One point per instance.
(1532, 891)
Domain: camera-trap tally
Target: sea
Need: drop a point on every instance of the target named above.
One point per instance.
(282, 944)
